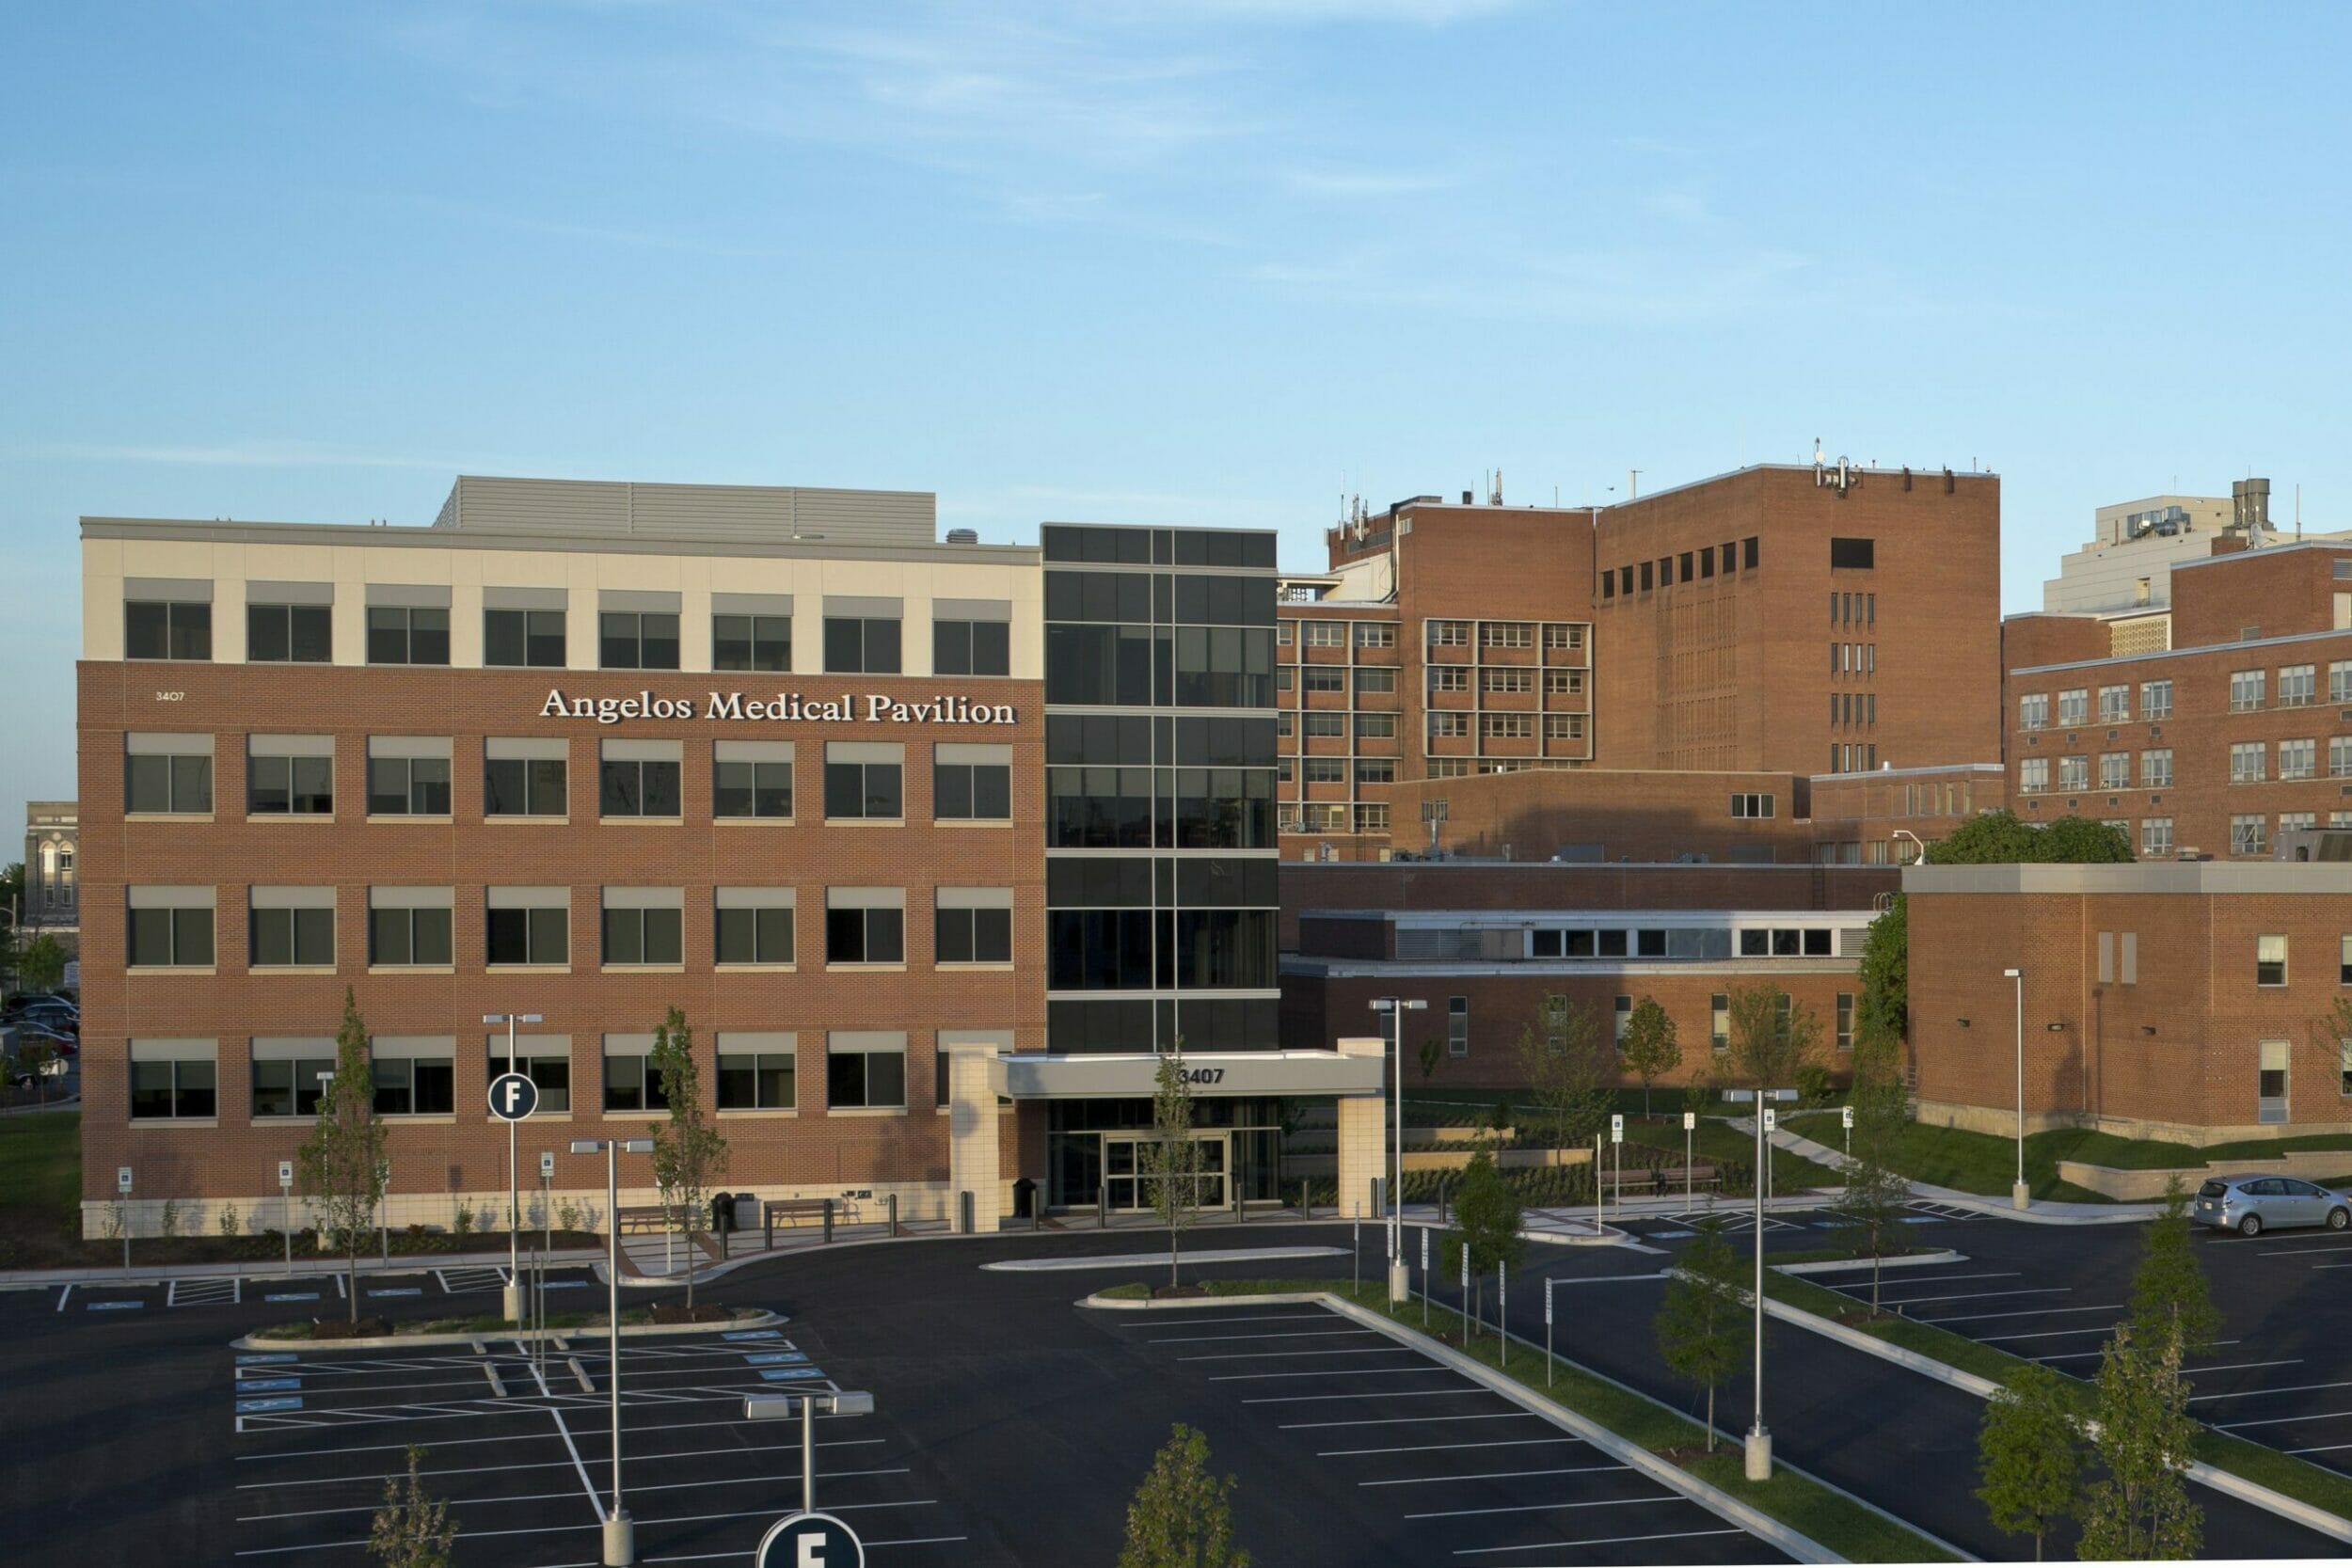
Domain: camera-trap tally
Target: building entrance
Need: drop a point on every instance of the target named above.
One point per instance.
(1100, 1150)
(1127, 1168)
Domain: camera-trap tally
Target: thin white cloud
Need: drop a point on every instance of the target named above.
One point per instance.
(1351, 182)
(263, 454)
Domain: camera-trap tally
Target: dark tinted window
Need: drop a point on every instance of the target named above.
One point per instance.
(1857, 554)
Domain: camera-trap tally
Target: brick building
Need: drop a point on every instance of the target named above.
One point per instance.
(903, 826)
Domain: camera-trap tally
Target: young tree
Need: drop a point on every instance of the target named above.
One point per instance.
(1869, 1212)
(1648, 1049)
(1886, 1001)
(1181, 1515)
(1772, 1037)
(1171, 1161)
(342, 1162)
(2140, 1509)
(34, 1056)
(1564, 1068)
(1487, 1218)
(413, 1530)
(41, 963)
(2169, 1300)
(688, 1151)
(1431, 1053)
(2027, 1456)
(1702, 1325)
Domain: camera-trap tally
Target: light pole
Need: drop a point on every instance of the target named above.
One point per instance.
(513, 1300)
(620, 1534)
(2018, 1197)
(1759, 1442)
(779, 1407)
(1396, 1008)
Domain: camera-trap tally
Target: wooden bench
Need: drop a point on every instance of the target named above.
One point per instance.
(648, 1217)
(793, 1211)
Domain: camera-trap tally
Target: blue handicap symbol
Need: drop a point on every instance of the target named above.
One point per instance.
(788, 1375)
(398, 1291)
(1923, 1219)
(256, 1407)
(294, 1296)
(753, 1333)
(565, 1285)
(1670, 1235)
(777, 1358)
(268, 1385)
(259, 1360)
(115, 1305)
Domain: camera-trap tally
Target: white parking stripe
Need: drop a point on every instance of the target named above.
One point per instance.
(1336, 1372)
(2314, 1245)
(635, 1459)
(337, 1450)
(1596, 1540)
(2240, 1365)
(1431, 1447)
(1977, 1295)
(1388, 1394)
(1910, 1278)
(2282, 1421)
(2035, 1312)
(1497, 1475)
(544, 1496)
(768, 1512)
(61, 1295)
(1408, 1420)
(1547, 1507)
(593, 1501)
(1236, 1338)
(1299, 1355)
(2251, 1393)
(2051, 1333)
(1307, 1317)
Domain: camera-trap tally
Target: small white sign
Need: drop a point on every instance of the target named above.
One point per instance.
(1546, 1304)
(122, 1180)
(1849, 1119)
(285, 1172)
(1771, 1119)
(546, 1164)
(1690, 1121)
(1616, 1130)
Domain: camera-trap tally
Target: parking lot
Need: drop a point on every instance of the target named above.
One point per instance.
(1413, 1451)
(418, 1288)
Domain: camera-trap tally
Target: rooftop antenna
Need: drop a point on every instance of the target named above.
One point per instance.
(1494, 492)
(1632, 483)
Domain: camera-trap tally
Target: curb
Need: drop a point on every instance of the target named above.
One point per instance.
(1832, 1265)
(763, 1318)
(1271, 1298)
(370, 1268)
(2315, 1519)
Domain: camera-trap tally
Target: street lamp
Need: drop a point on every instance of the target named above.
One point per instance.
(2018, 1197)
(1759, 1442)
(778, 1407)
(1396, 1008)
(514, 1297)
(620, 1536)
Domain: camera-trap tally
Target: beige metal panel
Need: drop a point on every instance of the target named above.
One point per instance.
(645, 898)
(644, 751)
(290, 1048)
(487, 505)
(414, 1047)
(290, 898)
(973, 897)
(754, 898)
(412, 897)
(183, 1050)
(865, 899)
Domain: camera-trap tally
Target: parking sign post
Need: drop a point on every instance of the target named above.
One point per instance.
(122, 1198)
(285, 1210)
(1502, 1314)
(1424, 1279)
(1690, 1121)
(1547, 1331)
(383, 1207)
(1616, 1142)
(1849, 1120)
(513, 1097)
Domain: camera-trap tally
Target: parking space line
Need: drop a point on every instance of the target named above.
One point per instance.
(1292, 1354)
(1388, 1394)
(61, 1295)
(1306, 1314)
(2050, 1334)
(546, 1496)
(2292, 1251)
(1922, 1279)
(793, 1447)
(2282, 1421)
(2240, 1366)
(543, 1529)
(2325, 1447)
(2034, 1312)
(1596, 1540)
(1236, 1338)
(1405, 1421)
(1336, 1372)
(1547, 1507)
(1980, 1295)
(1437, 1447)
(338, 1449)
(1497, 1475)
(593, 1501)
(2251, 1393)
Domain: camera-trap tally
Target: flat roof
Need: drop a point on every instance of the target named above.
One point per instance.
(2155, 876)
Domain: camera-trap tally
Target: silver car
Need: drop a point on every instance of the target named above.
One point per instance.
(2251, 1205)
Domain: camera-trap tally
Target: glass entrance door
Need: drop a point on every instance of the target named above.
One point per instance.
(1127, 1163)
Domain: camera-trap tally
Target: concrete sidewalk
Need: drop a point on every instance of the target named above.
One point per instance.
(305, 1264)
(2044, 1211)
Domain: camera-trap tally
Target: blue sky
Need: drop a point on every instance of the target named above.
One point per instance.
(1215, 261)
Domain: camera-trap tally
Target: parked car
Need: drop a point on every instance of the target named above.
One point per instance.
(2251, 1205)
(43, 1018)
(57, 1040)
(24, 1077)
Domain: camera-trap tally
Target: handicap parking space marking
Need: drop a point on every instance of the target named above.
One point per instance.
(397, 1291)
(266, 1357)
(257, 1407)
(113, 1305)
(753, 1333)
(777, 1358)
(1670, 1235)
(293, 1295)
(789, 1374)
(268, 1385)
(564, 1285)
(1923, 1219)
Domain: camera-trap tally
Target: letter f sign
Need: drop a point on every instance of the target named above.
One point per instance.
(511, 1092)
(812, 1553)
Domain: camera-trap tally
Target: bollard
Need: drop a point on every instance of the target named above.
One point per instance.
(768, 1217)
(1036, 1211)
(1103, 1206)
(964, 1213)
(894, 1214)
(828, 1222)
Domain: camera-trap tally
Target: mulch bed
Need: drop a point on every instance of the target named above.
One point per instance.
(342, 1328)
(702, 1312)
(1179, 1292)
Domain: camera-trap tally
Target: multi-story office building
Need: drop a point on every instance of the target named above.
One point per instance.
(52, 881)
(934, 845)
(2239, 730)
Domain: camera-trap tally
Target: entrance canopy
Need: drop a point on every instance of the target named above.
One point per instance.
(1043, 1076)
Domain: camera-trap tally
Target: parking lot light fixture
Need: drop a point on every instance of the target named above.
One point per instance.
(778, 1407)
(1759, 1441)
(2019, 1197)
(620, 1543)
(513, 1300)
(1400, 1288)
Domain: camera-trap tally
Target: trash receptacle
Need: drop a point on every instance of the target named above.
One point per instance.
(722, 1213)
(747, 1214)
(1025, 1199)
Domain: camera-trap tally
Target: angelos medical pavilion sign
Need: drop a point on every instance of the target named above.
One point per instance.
(783, 707)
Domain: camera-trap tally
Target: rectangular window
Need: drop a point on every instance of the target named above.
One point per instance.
(167, 775)
(1376, 680)
(1373, 726)
(2270, 1081)
(753, 924)
(410, 927)
(1449, 677)
(1442, 634)
(865, 926)
(865, 1070)
(1506, 634)
(2270, 961)
(1563, 683)
(637, 639)
(1858, 555)
(415, 1074)
(861, 645)
(2298, 685)
(291, 927)
(1752, 805)
(546, 1060)
(751, 642)
(1447, 726)
(2246, 689)
(523, 638)
(640, 778)
(1326, 634)
(1457, 1026)
(1748, 556)
(750, 778)
(1623, 1014)
(1507, 680)
(289, 633)
(1324, 678)
(757, 1071)
(2340, 680)
(2289, 821)
(1506, 726)
(409, 775)
(630, 1082)
(970, 647)
(2339, 757)
(524, 778)
(289, 1073)
(169, 928)
(2073, 708)
(289, 775)
(2343, 960)
(174, 628)
(644, 926)
(2115, 769)
(2074, 772)
(2155, 836)
(1372, 818)
(2343, 1067)
(2155, 700)
(972, 926)
(2247, 762)
(1563, 726)
(2155, 768)
(1324, 726)
(529, 925)
(2249, 835)
(1646, 576)
(1329, 770)
(2298, 759)
(865, 781)
(2033, 711)
(1719, 1020)
(174, 1080)
(407, 634)
(2115, 704)
(1845, 1020)
(1376, 634)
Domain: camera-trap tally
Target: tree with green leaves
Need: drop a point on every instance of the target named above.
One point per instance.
(1702, 1323)
(2169, 1297)
(342, 1162)
(40, 963)
(1648, 1049)
(1869, 1212)
(413, 1529)
(2029, 1457)
(688, 1152)
(1773, 1037)
(1566, 1070)
(1171, 1161)
(2141, 1511)
(34, 1056)
(1487, 1219)
(1884, 1004)
(1431, 1053)
(2002, 838)
(1181, 1515)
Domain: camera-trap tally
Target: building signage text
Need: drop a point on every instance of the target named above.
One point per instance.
(784, 706)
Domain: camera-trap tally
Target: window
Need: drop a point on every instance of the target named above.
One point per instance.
(1449, 677)
(1506, 726)
(2073, 708)
(1608, 586)
(1624, 1015)
(1646, 576)
(174, 1080)
(1752, 805)
(1457, 1026)
(2115, 704)
(2340, 681)
(2270, 961)
(631, 639)
(750, 778)
(2155, 835)
(1563, 683)
(1506, 680)
(639, 778)
(864, 780)
(2033, 711)
(1324, 678)
(1852, 554)
(1376, 680)
(631, 1081)
(529, 925)
(407, 775)
(2289, 821)
(1373, 726)
(291, 928)
(1324, 726)
(971, 782)
(1329, 770)
(1447, 726)
(289, 775)
(2343, 960)
(1747, 553)
(2247, 836)
(861, 636)
(2298, 759)
(546, 1060)
(2155, 768)
(2270, 1083)
(1449, 634)
(1372, 818)
(2298, 685)
(168, 774)
(408, 634)
(2246, 689)
(973, 647)
(752, 643)
(410, 928)
(644, 926)
(865, 926)
(1845, 1020)
(2339, 757)
(287, 1073)
(415, 1074)
(517, 636)
(865, 1070)
(2115, 769)
(2155, 700)
(524, 778)
(973, 925)
(1326, 634)
(1563, 726)
(757, 1071)
(1376, 634)
(2074, 773)
(2247, 759)
(163, 627)
(1719, 1020)
(2344, 1066)
(1506, 634)
(290, 633)
(169, 928)
(753, 924)
(1282, 630)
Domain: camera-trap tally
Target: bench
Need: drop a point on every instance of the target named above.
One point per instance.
(648, 1217)
(1667, 1182)
(793, 1211)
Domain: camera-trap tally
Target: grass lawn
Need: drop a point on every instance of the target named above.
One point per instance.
(41, 1186)
(1982, 1162)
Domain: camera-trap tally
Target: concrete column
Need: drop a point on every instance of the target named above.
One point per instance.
(1363, 1135)
(972, 1146)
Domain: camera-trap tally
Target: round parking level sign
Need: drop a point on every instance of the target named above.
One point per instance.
(513, 1096)
(810, 1540)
